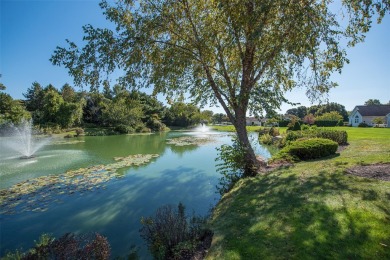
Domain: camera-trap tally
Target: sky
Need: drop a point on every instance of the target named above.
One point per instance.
(31, 29)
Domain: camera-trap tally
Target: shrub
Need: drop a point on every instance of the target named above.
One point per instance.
(231, 164)
(266, 139)
(69, 246)
(170, 234)
(310, 149)
(145, 130)
(294, 126)
(362, 124)
(155, 125)
(124, 129)
(323, 123)
(305, 127)
(293, 135)
(273, 131)
(283, 123)
(79, 131)
(340, 137)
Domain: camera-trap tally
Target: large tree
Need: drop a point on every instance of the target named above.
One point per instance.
(300, 111)
(242, 54)
(326, 108)
(372, 102)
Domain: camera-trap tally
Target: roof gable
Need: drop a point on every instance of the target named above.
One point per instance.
(374, 110)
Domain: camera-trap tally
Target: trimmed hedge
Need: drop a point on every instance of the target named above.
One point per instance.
(328, 123)
(339, 136)
(308, 149)
(283, 123)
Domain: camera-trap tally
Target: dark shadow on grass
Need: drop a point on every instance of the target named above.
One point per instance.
(284, 217)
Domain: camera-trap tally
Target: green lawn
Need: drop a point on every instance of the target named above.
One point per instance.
(230, 128)
(312, 210)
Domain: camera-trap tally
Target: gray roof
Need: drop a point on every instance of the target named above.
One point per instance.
(374, 110)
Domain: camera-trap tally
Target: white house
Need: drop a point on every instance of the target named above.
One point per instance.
(254, 121)
(365, 114)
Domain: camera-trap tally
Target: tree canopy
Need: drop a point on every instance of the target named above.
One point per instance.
(372, 102)
(243, 55)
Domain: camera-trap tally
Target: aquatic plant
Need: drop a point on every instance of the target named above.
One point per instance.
(38, 193)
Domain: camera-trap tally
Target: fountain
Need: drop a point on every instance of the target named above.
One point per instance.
(21, 140)
(202, 128)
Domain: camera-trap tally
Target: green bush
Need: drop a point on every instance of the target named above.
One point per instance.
(266, 139)
(69, 246)
(283, 123)
(170, 234)
(124, 129)
(323, 123)
(310, 149)
(294, 126)
(362, 124)
(145, 130)
(231, 165)
(273, 131)
(339, 136)
(79, 131)
(293, 135)
(155, 125)
(305, 127)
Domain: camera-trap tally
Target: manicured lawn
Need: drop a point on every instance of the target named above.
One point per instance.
(230, 128)
(312, 210)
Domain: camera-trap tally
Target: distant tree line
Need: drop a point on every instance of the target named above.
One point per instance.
(122, 109)
(329, 114)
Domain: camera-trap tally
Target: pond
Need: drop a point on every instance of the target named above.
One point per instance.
(104, 185)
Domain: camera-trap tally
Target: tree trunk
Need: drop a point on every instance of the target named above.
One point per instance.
(251, 164)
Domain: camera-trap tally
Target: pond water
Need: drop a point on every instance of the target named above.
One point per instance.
(113, 205)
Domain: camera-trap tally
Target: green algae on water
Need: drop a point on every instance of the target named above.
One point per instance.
(38, 194)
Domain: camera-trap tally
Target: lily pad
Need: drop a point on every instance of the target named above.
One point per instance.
(36, 194)
(190, 140)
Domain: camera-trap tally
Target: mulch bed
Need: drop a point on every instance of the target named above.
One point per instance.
(380, 171)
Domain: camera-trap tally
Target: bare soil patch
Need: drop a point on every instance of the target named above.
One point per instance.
(380, 171)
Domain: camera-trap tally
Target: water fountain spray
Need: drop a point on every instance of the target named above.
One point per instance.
(22, 140)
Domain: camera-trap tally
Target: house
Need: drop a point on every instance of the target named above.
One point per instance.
(254, 121)
(365, 114)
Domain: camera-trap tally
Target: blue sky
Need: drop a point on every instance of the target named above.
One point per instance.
(30, 31)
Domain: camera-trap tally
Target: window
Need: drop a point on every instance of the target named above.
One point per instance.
(356, 119)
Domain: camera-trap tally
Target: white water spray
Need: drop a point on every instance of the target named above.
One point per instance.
(22, 140)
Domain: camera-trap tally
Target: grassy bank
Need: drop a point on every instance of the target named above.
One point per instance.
(230, 128)
(312, 210)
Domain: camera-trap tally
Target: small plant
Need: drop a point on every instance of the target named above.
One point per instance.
(170, 234)
(231, 166)
(266, 139)
(305, 127)
(79, 131)
(294, 126)
(69, 246)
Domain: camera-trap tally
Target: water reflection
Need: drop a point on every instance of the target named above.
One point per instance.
(180, 174)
